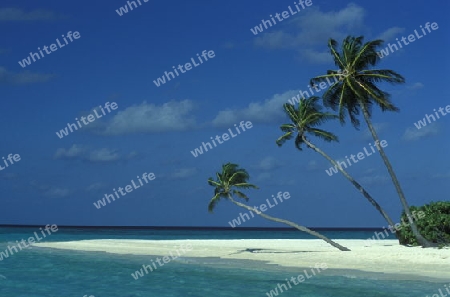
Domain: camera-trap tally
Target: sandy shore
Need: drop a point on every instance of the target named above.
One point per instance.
(381, 256)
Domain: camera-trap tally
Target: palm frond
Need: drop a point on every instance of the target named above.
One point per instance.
(231, 177)
(324, 135)
(213, 202)
(281, 140)
(357, 79)
(246, 186)
(240, 195)
(298, 142)
(304, 118)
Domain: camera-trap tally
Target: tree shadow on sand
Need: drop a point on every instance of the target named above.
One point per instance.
(269, 251)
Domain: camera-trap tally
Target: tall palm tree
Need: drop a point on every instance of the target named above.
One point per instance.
(231, 180)
(356, 91)
(304, 121)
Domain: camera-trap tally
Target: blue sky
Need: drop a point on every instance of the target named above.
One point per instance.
(154, 129)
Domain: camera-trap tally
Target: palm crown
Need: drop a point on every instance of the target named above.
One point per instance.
(356, 79)
(231, 177)
(304, 120)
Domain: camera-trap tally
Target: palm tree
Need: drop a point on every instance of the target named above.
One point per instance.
(231, 180)
(356, 92)
(304, 121)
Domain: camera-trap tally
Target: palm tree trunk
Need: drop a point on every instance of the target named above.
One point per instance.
(354, 182)
(420, 239)
(301, 228)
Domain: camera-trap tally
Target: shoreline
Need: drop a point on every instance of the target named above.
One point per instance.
(381, 256)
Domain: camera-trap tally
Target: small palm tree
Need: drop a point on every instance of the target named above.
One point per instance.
(304, 121)
(356, 92)
(231, 180)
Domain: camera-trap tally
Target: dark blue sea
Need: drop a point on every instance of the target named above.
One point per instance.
(44, 272)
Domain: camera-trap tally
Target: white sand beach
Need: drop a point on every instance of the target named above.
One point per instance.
(385, 256)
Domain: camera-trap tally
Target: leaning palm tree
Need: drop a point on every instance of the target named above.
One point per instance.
(304, 121)
(231, 180)
(356, 91)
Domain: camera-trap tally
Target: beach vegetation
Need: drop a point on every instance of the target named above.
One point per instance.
(434, 226)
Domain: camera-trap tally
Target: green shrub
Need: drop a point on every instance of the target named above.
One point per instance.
(434, 226)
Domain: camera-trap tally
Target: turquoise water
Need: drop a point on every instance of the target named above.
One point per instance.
(40, 272)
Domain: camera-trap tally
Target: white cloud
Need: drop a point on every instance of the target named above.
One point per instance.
(319, 26)
(374, 180)
(313, 165)
(269, 163)
(95, 187)
(22, 78)
(314, 28)
(148, 118)
(15, 14)
(229, 45)
(416, 86)
(132, 155)
(276, 40)
(56, 193)
(390, 33)
(440, 175)
(370, 171)
(270, 111)
(50, 191)
(264, 176)
(316, 56)
(9, 175)
(412, 134)
(379, 127)
(184, 173)
(103, 155)
(74, 151)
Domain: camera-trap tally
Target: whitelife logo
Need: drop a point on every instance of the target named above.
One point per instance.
(285, 14)
(225, 137)
(90, 118)
(305, 94)
(262, 208)
(27, 61)
(31, 240)
(140, 273)
(422, 123)
(416, 215)
(318, 268)
(122, 10)
(359, 155)
(11, 159)
(411, 38)
(162, 80)
(146, 177)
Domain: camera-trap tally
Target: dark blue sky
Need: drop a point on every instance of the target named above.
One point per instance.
(154, 129)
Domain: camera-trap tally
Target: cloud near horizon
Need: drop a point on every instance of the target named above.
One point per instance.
(269, 111)
(15, 14)
(412, 134)
(50, 191)
(320, 27)
(22, 78)
(102, 155)
(390, 33)
(152, 118)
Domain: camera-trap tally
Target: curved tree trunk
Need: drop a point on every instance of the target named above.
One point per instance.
(420, 239)
(301, 228)
(354, 182)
